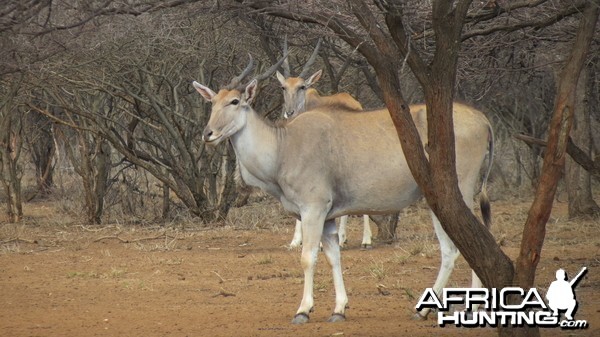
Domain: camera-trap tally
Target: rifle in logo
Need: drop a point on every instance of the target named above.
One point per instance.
(561, 295)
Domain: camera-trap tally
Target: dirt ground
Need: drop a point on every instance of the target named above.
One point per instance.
(59, 278)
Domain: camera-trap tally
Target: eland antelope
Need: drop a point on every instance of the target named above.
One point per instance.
(327, 163)
(299, 97)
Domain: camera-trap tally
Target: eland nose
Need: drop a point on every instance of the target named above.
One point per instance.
(207, 134)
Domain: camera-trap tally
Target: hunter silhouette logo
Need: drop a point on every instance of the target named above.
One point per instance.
(528, 310)
(561, 294)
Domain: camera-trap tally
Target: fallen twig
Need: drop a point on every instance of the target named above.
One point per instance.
(111, 237)
(19, 239)
(219, 276)
(223, 293)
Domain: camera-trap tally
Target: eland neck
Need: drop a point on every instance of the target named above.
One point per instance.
(256, 146)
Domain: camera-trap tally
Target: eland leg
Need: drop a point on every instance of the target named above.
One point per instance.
(366, 240)
(297, 239)
(449, 255)
(331, 248)
(312, 231)
(343, 238)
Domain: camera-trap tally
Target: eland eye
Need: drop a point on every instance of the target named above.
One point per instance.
(303, 87)
(235, 102)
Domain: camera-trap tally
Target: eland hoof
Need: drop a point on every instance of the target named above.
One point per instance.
(418, 317)
(336, 318)
(300, 318)
(365, 246)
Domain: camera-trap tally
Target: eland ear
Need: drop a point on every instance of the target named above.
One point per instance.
(250, 91)
(205, 91)
(280, 78)
(314, 78)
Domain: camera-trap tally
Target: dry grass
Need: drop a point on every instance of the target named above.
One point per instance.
(46, 225)
(267, 214)
(377, 270)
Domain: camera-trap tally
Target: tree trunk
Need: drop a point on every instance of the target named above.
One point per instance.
(228, 193)
(554, 158)
(10, 150)
(93, 165)
(41, 144)
(10, 170)
(100, 174)
(12, 186)
(578, 180)
(166, 201)
(386, 227)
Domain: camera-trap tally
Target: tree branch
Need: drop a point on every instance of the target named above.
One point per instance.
(495, 11)
(106, 10)
(393, 19)
(326, 20)
(538, 24)
(576, 153)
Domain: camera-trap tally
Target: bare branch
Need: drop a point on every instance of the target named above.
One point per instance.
(492, 10)
(540, 23)
(107, 9)
(344, 32)
(393, 19)
(576, 153)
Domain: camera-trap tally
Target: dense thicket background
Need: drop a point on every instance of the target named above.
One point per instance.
(97, 94)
